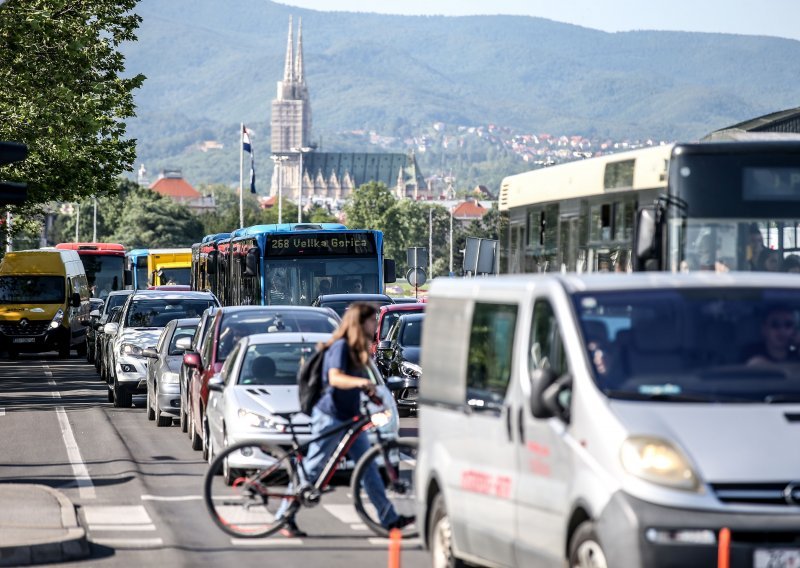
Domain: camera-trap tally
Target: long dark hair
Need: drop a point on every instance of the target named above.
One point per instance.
(352, 330)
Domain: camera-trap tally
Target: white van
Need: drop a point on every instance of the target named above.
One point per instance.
(611, 420)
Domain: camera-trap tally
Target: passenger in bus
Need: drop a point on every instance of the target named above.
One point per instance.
(324, 287)
(770, 261)
(756, 250)
(354, 287)
(791, 263)
(778, 334)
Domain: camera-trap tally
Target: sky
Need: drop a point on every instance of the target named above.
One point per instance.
(750, 17)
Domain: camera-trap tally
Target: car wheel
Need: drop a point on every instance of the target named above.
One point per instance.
(197, 441)
(162, 420)
(122, 398)
(440, 537)
(151, 414)
(585, 550)
(110, 395)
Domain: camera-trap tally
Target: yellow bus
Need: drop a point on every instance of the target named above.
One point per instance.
(169, 266)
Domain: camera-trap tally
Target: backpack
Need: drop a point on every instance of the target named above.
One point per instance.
(310, 381)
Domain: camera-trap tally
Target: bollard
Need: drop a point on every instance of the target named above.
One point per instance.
(395, 536)
(724, 552)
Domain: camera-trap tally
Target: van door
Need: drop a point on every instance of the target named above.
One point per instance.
(541, 494)
(488, 474)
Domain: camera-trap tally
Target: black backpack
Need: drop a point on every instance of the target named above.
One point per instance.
(309, 381)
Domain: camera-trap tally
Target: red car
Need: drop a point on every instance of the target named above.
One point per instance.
(388, 315)
(229, 325)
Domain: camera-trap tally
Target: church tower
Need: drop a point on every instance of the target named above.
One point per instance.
(291, 110)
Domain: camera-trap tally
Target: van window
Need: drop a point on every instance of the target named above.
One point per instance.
(491, 343)
(547, 348)
(31, 289)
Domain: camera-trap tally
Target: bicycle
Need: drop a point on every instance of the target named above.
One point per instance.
(246, 483)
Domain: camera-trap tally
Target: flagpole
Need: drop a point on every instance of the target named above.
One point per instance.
(241, 166)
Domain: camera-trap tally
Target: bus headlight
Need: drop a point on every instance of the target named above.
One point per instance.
(659, 462)
(57, 319)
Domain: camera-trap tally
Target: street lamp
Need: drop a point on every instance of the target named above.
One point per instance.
(300, 151)
(279, 165)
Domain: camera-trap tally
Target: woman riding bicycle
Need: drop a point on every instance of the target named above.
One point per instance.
(345, 376)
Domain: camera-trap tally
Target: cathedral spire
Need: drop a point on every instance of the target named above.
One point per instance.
(298, 62)
(288, 75)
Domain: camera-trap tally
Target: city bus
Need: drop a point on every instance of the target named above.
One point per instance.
(286, 263)
(104, 264)
(680, 207)
(169, 266)
(202, 279)
(137, 265)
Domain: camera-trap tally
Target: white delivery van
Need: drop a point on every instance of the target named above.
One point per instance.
(611, 421)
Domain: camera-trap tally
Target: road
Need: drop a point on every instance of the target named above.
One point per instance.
(138, 487)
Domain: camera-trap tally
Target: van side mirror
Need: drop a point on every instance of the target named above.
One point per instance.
(75, 300)
(646, 240)
(389, 271)
(548, 392)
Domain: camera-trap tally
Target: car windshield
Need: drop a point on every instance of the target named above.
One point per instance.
(237, 325)
(694, 345)
(159, 312)
(340, 306)
(181, 331)
(273, 363)
(115, 300)
(390, 317)
(411, 334)
(31, 289)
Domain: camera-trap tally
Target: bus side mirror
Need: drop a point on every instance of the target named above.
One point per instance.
(646, 240)
(128, 277)
(251, 262)
(211, 265)
(389, 272)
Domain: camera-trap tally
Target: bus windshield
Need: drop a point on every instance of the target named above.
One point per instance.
(694, 345)
(31, 289)
(170, 276)
(104, 273)
(300, 281)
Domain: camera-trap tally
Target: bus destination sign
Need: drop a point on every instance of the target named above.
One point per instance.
(321, 244)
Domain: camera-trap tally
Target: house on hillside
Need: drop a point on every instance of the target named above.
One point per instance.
(170, 183)
(469, 210)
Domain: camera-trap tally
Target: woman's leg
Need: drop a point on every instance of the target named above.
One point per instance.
(372, 482)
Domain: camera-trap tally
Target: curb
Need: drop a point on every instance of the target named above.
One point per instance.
(70, 544)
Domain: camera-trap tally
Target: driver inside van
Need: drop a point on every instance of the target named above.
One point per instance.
(778, 335)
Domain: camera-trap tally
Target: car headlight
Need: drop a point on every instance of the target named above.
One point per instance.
(658, 461)
(255, 420)
(57, 319)
(411, 370)
(130, 350)
(169, 378)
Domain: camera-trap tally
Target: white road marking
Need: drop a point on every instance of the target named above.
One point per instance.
(116, 515)
(172, 497)
(129, 542)
(79, 469)
(122, 527)
(345, 513)
(359, 527)
(405, 543)
(266, 541)
(2, 411)
(48, 373)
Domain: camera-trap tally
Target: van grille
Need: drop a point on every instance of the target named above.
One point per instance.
(775, 494)
(30, 327)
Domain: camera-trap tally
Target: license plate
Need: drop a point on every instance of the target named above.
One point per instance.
(777, 558)
(24, 340)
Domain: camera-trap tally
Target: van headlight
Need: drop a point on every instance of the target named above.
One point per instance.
(659, 462)
(57, 319)
(130, 350)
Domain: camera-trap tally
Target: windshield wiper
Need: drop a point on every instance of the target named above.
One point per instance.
(658, 397)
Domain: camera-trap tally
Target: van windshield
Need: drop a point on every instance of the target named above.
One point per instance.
(694, 345)
(31, 289)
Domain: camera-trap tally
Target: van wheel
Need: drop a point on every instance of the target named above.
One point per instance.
(585, 550)
(63, 350)
(440, 537)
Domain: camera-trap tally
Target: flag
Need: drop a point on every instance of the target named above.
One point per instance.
(248, 147)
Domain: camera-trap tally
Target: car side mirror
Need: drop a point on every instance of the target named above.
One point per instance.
(184, 343)
(75, 300)
(192, 360)
(547, 390)
(94, 314)
(111, 329)
(215, 383)
(384, 345)
(150, 353)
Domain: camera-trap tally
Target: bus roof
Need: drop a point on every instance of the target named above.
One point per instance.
(215, 237)
(138, 252)
(104, 249)
(285, 228)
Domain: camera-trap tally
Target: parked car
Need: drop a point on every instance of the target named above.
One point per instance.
(258, 380)
(105, 346)
(390, 314)
(340, 302)
(398, 359)
(95, 307)
(113, 301)
(185, 375)
(163, 371)
(230, 324)
(144, 315)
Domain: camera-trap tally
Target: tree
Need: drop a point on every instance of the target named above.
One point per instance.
(64, 95)
(150, 220)
(367, 206)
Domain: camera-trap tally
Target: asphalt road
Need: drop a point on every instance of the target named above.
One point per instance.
(138, 487)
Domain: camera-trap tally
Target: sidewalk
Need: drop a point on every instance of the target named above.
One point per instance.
(38, 525)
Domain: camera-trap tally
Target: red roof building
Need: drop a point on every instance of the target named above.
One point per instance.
(469, 210)
(171, 184)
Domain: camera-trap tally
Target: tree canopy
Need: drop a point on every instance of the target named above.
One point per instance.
(65, 95)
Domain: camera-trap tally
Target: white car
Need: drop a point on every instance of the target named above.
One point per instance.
(143, 317)
(258, 380)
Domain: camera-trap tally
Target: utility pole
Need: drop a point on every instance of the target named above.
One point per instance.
(241, 166)
(430, 241)
(449, 180)
(279, 174)
(77, 221)
(94, 220)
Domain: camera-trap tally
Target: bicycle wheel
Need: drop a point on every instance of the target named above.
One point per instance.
(398, 480)
(244, 502)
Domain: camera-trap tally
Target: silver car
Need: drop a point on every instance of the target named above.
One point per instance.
(258, 380)
(163, 371)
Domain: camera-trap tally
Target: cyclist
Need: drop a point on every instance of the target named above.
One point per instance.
(345, 376)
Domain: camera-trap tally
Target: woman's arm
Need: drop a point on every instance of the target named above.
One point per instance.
(340, 380)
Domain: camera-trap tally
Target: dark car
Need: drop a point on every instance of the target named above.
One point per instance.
(398, 359)
(390, 314)
(340, 302)
(95, 307)
(230, 324)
